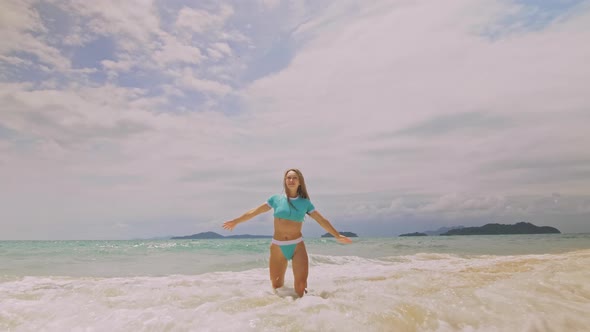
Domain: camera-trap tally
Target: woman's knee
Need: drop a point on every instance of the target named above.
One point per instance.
(277, 282)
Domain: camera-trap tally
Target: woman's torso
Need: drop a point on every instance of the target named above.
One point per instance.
(289, 215)
(287, 229)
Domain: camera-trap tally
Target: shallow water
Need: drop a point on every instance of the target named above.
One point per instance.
(494, 283)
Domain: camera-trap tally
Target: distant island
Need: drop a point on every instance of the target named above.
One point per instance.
(348, 234)
(500, 229)
(414, 234)
(442, 230)
(213, 235)
(439, 231)
(490, 229)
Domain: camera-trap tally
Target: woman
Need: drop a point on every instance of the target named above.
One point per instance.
(287, 242)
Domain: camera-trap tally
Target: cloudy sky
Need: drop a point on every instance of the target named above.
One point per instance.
(138, 118)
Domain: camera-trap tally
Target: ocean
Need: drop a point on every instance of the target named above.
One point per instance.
(435, 283)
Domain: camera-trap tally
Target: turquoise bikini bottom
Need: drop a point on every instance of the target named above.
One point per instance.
(287, 247)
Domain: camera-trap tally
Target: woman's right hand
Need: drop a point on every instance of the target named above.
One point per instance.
(230, 225)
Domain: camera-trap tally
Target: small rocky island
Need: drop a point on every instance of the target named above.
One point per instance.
(348, 234)
(414, 234)
(501, 229)
(213, 235)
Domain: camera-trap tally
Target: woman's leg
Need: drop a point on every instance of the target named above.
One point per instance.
(300, 269)
(277, 266)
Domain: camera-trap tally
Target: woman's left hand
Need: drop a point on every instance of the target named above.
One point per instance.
(343, 239)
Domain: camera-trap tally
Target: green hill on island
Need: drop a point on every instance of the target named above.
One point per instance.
(348, 234)
(414, 234)
(501, 229)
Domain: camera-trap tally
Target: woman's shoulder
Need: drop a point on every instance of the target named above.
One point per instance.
(306, 200)
(276, 197)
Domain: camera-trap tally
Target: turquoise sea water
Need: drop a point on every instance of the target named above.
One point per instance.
(457, 283)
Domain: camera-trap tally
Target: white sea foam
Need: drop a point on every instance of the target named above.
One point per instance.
(421, 292)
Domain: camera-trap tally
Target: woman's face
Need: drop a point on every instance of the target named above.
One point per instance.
(292, 180)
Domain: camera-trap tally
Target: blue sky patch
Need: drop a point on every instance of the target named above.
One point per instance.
(531, 16)
(29, 70)
(95, 51)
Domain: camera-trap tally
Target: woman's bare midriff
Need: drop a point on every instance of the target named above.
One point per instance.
(286, 230)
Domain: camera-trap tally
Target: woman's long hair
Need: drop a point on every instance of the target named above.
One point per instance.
(302, 189)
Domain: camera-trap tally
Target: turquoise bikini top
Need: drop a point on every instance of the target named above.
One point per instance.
(283, 210)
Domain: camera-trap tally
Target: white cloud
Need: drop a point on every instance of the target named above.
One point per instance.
(386, 70)
(19, 16)
(189, 80)
(455, 205)
(200, 21)
(134, 22)
(218, 51)
(214, 54)
(19, 25)
(174, 51)
(113, 68)
(270, 4)
(223, 48)
(14, 61)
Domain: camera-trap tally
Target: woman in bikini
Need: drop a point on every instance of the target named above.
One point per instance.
(287, 242)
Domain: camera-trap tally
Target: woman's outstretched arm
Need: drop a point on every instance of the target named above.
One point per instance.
(230, 225)
(328, 227)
